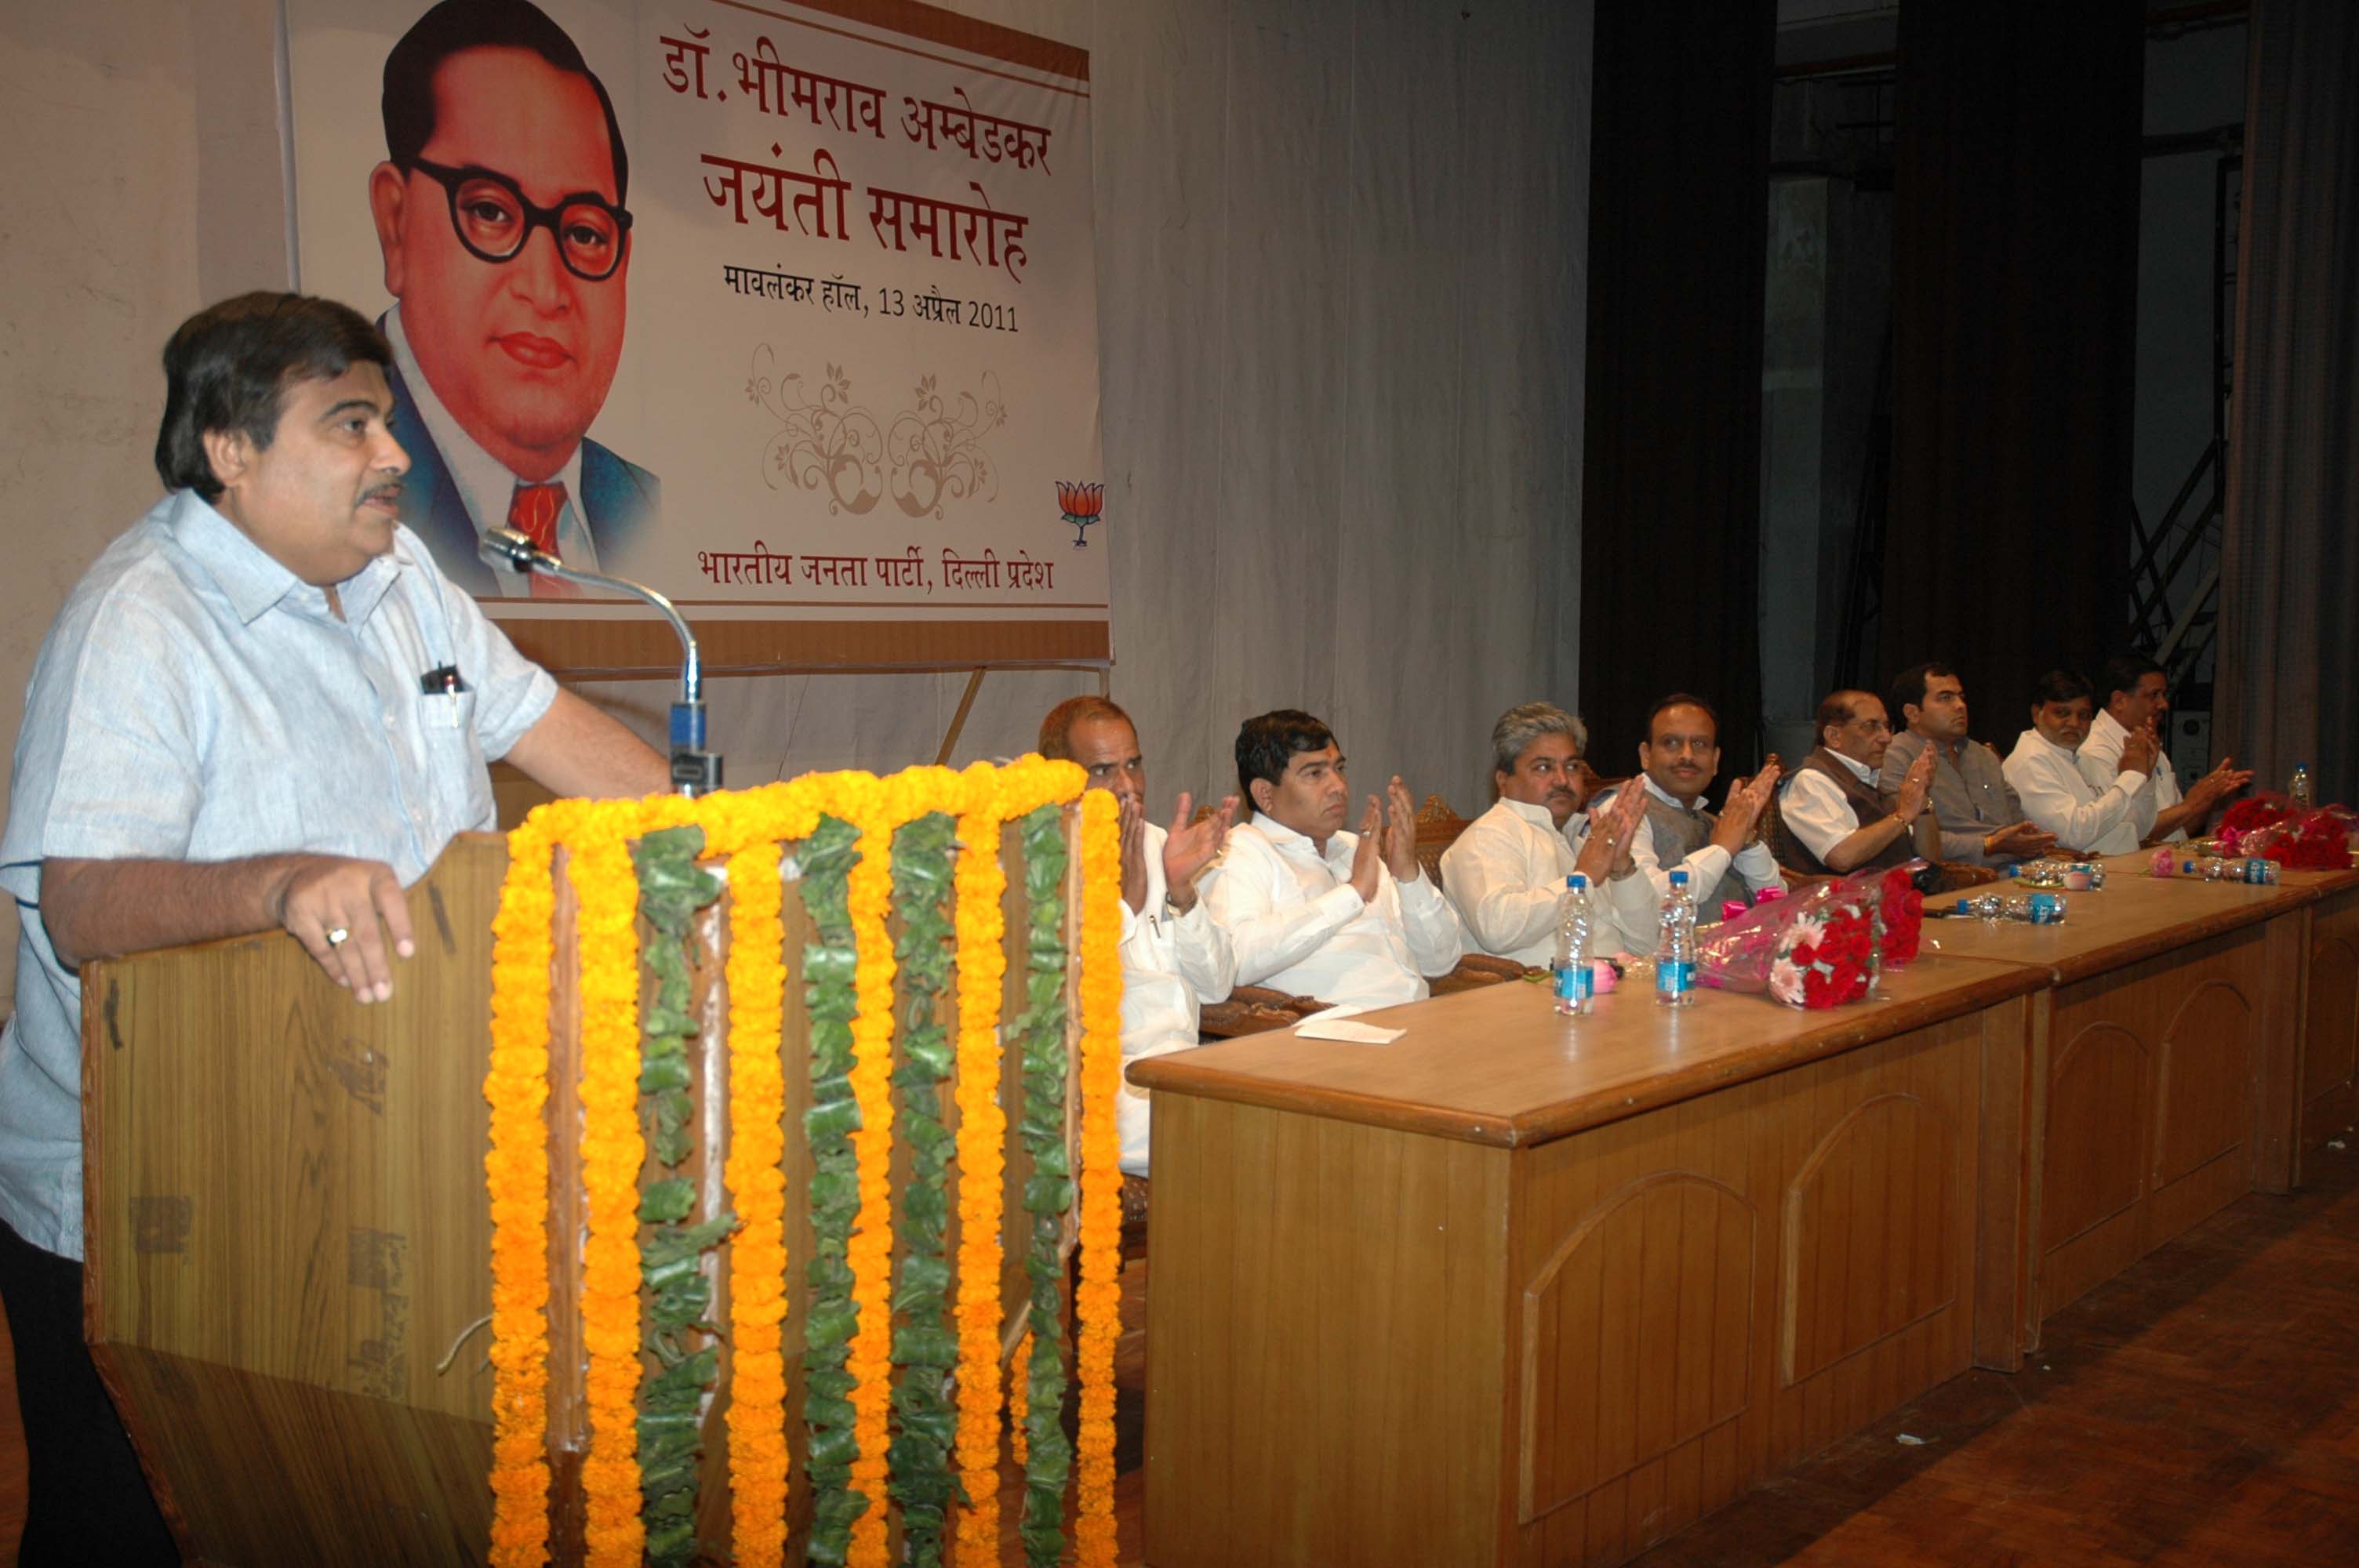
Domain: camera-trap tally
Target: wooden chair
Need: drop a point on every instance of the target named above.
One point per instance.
(1438, 828)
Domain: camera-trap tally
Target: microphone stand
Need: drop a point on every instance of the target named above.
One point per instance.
(694, 769)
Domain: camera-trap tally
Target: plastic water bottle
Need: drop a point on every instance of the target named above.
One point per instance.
(2299, 788)
(1575, 982)
(1675, 950)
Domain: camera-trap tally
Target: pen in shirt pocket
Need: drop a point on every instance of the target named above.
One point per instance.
(442, 687)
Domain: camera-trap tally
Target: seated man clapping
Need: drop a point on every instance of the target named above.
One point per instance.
(2045, 770)
(1508, 870)
(1311, 908)
(1174, 958)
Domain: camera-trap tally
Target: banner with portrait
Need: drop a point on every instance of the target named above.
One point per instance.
(787, 311)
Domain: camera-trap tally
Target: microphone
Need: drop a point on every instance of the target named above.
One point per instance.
(694, 769)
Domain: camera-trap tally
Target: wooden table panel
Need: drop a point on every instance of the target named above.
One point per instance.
(1320, 1383)
(2329, 1104)
(1587, 1319)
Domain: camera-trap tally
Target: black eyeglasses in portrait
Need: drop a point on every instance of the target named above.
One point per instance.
(493, 218)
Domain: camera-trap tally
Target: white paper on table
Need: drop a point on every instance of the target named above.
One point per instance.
(1333, 1024)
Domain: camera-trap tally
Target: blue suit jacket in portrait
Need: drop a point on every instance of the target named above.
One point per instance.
(618, 501)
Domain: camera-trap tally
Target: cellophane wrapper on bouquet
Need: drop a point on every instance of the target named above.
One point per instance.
(1823, 948)
(2311, 841)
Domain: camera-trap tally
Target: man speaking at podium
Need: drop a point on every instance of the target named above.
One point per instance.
(263, 707)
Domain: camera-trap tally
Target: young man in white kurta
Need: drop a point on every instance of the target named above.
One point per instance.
(1313, 910)
(1174, 958)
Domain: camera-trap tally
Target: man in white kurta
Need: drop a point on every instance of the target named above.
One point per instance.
(1506, 874)
(1310, 908)
(2046, 774)
(2137, 697)
(1174, 958)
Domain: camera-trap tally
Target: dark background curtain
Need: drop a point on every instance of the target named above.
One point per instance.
(1670, 501)
(2289, 649)
(2015, 288)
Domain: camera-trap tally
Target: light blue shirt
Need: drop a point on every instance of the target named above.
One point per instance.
(195, 700)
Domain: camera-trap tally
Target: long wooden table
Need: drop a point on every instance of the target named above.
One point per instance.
(2168, 1059)
(2329, 1097)
(1517, 1288)
(1522, 1290)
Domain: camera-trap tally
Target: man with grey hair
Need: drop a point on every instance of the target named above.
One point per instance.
(1507, 871)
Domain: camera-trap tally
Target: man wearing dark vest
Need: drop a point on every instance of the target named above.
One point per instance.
(1724, 862)
(1834, 820)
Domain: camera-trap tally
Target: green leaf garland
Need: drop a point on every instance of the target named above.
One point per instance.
(672, 888)
(830, 964)
(1049, 1192)
(927, 1354)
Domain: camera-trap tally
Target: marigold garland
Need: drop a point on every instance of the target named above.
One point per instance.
(517, 1173)
(981, 883)
(613, 1150)
(1016, 1410)
(745, 828)
(1100, 1296)
(757, 1255)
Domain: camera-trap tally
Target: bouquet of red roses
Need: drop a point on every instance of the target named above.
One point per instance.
(1817, 949)
(2316, 841)
(2249, 815)
(1900, 915)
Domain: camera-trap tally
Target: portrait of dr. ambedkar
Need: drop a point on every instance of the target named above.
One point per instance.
(500, 211)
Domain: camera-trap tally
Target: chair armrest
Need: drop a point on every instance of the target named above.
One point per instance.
(1474, 971)
(1956, 874)
(1254, 1010)
(1485, 964)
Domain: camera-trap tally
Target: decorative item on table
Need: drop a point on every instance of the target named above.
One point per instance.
(2164, 864)
(1730, 908)
(1816, 950)
(2071, 876)
(2311, 841)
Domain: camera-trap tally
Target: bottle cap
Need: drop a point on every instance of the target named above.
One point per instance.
(1679, 879)
(1576, 883)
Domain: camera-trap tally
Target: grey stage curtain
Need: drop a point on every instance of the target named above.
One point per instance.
(2289, 649)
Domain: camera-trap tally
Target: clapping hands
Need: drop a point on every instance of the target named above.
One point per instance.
(1387, 837)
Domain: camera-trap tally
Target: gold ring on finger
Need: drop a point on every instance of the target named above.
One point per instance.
(339, 937)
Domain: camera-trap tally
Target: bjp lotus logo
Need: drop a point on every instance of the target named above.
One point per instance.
(1084, 503)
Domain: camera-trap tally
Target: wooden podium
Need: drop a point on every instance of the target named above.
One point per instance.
(288, 1235)
(288, 1240)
